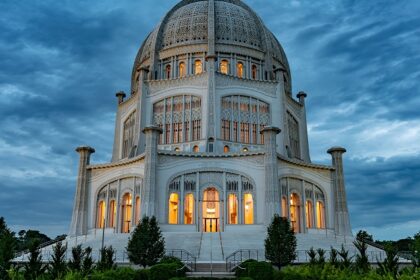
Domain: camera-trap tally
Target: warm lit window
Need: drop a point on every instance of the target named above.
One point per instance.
(320, 215)
(309, 214)
(101, 214)
(295, 212)
(224, 67)
(189, 209)
(240, 70)
(196, 149)
(112, 215)
(126, 213)
(137, 210)
(284, 212)
(182, 70)
(249, 209)
(232, 209)
(226, 149)
(198, 67)
(173, 208)
(254, 72)
(168, 72)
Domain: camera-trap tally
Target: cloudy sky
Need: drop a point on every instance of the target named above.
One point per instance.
(61, 63)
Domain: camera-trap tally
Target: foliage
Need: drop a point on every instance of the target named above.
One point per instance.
(165, 271)
(34, 266)
(312, 256)
(333, 260)
(280, 244)
(125, 273)
(142, 274)
(74, 275)
(415, 248)
(242, 269)
(364, 235)
(146, 245)
(106, 261)
(58, 265)
(7, 248)
(77, 258)
(26, 238)
(321, 256)
(361, 262)
(390, 263)
(345, 258)
(260, 271)
(87, 263)
(170, 259)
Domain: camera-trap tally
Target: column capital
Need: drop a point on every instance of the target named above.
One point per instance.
(152, 128)
(334, 150)
(88, 149)
(120, 95)
(274, 129)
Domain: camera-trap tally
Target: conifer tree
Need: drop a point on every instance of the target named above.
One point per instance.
(7, 248)
(146, 246)
(58, 265)
(361, 262)
(34, 267)
(87, 264)
(280, 244)
(106, 261)
(77, 257)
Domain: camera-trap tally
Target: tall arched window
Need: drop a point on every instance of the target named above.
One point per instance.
(309, 210)
(196, 149)
(101, 214)
(137, 210)
(173, 208)
(249, 209)
(284, 212)
(168, 71)
(128, 135)
(224, 67)
(182, 70)
(320, 214)
(293, 127)
(232, 209)
(295, 212)
(112, 215)
(198, 67)
(189, 209)
(240, 70)
(226, 149)
(254, 71)
(126, 213)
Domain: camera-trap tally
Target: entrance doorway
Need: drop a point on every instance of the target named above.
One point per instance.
(211, 210)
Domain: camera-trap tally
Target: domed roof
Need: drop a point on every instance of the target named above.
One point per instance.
(234, 25)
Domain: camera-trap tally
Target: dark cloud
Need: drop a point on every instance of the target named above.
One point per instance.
(62, 61)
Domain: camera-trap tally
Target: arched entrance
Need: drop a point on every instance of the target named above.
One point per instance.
(211, 210)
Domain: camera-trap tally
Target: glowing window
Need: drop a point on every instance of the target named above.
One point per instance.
(233, 209)
(168, 72)
(112, 214)
(182, 70)
(173, 208)
(137, 210)
(309, 210)
(101, 214)
(254, 72)
(224, 67)
(196, 149)
(126, 213)
(198, 67)
(320, 215)
(189, 209)
(240, 70)
(284, 207)
(295, 212)
(226, 149)
(249, 209)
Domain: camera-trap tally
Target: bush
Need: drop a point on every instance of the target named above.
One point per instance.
(125, 273)
(165, 271)
(260, 271)
(171, 259)
(74, 276)
(242, 270)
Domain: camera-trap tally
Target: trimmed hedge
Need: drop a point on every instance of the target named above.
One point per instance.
(255, 270)
(166, 271)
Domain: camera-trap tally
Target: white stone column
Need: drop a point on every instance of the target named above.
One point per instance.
(303, 131)
(117, 132)
(79, 223)
(272, 193)
(341, 219)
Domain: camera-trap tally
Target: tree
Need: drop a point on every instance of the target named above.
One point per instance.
(333, 260)
(34, 266)
(147, 245)
(7, 248)
(77, 258)
(390, 263)
(58, 264)
(364, 235)
(361, 262)
(87, 264)
(280, 244)
(106, 261)
(416, 250)
(345, 259)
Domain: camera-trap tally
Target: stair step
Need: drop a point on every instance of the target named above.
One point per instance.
(206, 267)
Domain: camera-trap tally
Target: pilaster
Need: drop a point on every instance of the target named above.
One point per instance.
(341, 219)
(79, 223)
(117, 136)
(141, 104)
(304, 129)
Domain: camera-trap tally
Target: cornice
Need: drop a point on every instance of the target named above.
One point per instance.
(116, 164)
(304, 164)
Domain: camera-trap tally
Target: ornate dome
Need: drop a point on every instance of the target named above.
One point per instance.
(187, 27)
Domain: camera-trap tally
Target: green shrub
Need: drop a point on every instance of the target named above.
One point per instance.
(242, 270)
(170, 259)
(125, 273)
(165, 271)
(142, 274)
(74, 276)
(260, 271)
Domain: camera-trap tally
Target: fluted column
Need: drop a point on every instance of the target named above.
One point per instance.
(79, 222)
(148, 204)
(341, 219)
(272, 192)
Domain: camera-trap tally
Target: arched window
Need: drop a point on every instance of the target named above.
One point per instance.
(249, 209)
(101, 214)
(189, 209)
(112, 215)
(198, 67)
(284, 212)
(137, 210)
(293, 127)
(254, 72)
(182, 70)
(196, 149)
(224, 67)
(173, 208)
(126, 213)
(128, 135)
(232, 209)
(226, 149)
(295, 212)
(320, 215)
(309, 210)
(168, 71)
(240, 70)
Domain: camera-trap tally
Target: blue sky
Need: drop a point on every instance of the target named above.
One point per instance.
(61, 63)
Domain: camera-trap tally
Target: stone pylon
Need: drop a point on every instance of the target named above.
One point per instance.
(342, 220)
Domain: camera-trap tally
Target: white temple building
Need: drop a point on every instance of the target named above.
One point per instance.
(211, 141)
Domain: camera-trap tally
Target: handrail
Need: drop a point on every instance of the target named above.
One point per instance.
(239, 256)
(201, 241)
(42, 245)
(402, 254)
(186, 257)
(221, 244)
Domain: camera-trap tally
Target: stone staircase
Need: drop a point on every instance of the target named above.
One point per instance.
(215, 270)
